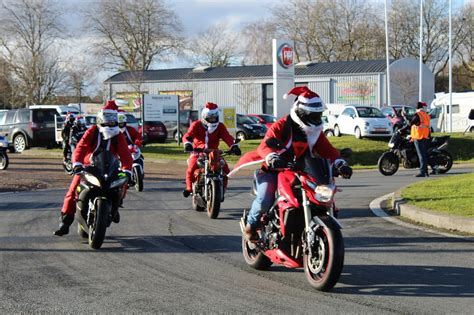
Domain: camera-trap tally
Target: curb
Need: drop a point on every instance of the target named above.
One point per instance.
(375, 207)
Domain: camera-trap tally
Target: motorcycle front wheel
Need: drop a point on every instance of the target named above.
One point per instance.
(194, 200)
(97, 230)
(388, 163)
(3, 161)
(323, 270)
(138, 178)
(214, 199)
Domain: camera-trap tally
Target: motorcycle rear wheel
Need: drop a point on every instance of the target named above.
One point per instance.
(388, 163)
(97, 230)
(3, 161)
(138, 179)
(255, 258)
(214, 199)
(447, 159)
(323, 272)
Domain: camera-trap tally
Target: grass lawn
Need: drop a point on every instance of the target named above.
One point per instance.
(366, 151)
(450, 195)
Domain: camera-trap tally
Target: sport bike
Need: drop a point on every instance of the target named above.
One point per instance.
(101, 191)
(138, 172)
(3, 153)
(403, 151)
(208, 181)
(300, 229)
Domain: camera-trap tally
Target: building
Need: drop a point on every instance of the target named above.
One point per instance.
(250, 88)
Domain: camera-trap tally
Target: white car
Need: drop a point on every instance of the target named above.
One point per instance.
(362, 121)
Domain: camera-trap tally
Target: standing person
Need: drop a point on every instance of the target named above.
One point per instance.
(289, 138)
(65, 133)
(77, 131)
(105, 135)
(420, 133)
(206, 134)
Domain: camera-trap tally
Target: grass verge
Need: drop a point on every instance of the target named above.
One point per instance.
(448, 195)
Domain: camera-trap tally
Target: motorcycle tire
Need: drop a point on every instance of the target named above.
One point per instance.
(214, 199)
(68, 167)
(81, 232)
(194, 201)
(323, 273)
(254, 257)
(388, 163)
(138, 179)
(3, 161)
(448, 161)
(96, 233)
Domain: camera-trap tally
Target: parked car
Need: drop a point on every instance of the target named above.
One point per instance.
(328, 125)
(28, 127)
(248, 129)
(265, 119)
(394, 114)
(154, 131)
(362, 121)
(186, 117)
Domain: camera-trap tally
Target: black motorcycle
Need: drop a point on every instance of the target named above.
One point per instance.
(138, 173)
(402, 150)
(101, 191)
(3, 153)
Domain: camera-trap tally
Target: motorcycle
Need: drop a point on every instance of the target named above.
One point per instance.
(4, 161)
(300, 229)
(101, 191)
(67, 163)
(402, 150)
(138, 172)
(208, 181)
(74, 140)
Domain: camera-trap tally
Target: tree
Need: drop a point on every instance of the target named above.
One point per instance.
(215, 47)
(406, 83)
(257, 42)
(132, 34)
(465, 51)
(28, 35)
(246, 94)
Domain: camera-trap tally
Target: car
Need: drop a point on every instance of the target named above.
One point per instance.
(247, 128)
(362, 121)
(328, 125)
(62, 110)
(26, 127)
(265, 119)
(186, 117)
(394, 114)
(154, 131)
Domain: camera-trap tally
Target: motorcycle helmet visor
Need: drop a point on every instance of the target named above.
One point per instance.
(108, 120)
(212, 118)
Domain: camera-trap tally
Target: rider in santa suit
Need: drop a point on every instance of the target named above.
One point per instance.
(291, 137)
(206, 134)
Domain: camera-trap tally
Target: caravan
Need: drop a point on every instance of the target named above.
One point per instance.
(462, 103)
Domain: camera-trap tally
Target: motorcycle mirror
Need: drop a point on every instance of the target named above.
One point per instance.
(346, 153)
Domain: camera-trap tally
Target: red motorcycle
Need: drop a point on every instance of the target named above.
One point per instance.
(300, 229)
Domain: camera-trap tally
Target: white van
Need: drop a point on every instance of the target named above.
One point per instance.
(462, 103)
(61, 109)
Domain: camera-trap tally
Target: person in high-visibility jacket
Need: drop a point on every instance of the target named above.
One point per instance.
(420, 134)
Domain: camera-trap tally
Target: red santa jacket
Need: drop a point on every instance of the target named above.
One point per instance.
(203, 140)
(90, 142)
(132, 136)
(283, 138)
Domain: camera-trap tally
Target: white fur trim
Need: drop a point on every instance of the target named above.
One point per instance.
(212, 127)
(207, 111)
(312, 132)
(267, 158)
(340, 162)
(285, 96)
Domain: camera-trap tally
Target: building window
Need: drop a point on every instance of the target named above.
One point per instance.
(267, 98)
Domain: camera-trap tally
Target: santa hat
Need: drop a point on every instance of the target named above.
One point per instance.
(306, 99)
(421, 104)
(210, 109)
(110, 106)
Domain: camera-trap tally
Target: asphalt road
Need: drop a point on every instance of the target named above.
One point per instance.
(165, 257)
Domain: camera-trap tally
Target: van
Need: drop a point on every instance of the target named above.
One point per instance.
(462, 103)
(62, 110)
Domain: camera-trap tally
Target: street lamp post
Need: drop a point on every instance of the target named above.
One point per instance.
(450, 71)
(420, 86)
(389, 101)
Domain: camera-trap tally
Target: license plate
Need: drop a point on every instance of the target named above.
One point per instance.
(380, 129)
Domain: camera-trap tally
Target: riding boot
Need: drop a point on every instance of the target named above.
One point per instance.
(66, 221)
(116, 218)
(250, 233)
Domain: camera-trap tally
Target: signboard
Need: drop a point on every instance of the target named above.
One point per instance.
(283, 75)
(132, 100)
(227, 116)
(160, 107)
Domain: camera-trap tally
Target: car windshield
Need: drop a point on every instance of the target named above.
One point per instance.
(369, 112)
(254, 119)
(131, 119)
(268, 118)
(241, 119)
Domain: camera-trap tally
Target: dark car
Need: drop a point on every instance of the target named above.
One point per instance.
(248, 128)
(26, 128)
(265, 119)
(394, 114)
(154, 131)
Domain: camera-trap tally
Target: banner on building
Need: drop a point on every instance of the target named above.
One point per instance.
(227, 115)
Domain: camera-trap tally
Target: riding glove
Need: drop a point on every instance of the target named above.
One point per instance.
(188, 147)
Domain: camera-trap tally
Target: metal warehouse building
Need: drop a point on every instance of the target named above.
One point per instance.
(250, 88)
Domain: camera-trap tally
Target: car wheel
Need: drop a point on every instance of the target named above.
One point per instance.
(329, 133)
(241, 136)
(175, 136)
(357, 133)
(19, 143)
(337, 132)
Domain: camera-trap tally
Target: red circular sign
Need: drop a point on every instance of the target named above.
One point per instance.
(285, 56)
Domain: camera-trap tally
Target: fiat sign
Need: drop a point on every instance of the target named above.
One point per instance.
(285, 56)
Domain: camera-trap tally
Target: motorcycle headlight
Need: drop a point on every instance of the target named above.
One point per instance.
(92, 179)
(324, 193)
(119, 182)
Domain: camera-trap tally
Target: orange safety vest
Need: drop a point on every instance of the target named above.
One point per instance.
(423, 130)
